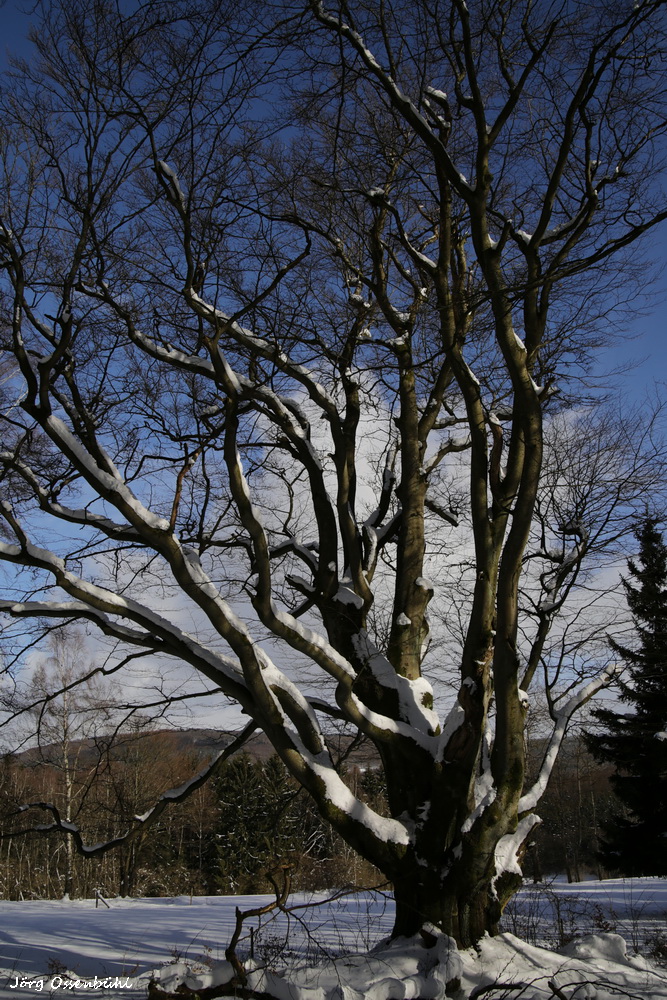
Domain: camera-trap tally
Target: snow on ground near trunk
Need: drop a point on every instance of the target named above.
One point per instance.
(39, 940)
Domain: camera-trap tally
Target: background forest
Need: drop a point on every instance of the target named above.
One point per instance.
(240, 829)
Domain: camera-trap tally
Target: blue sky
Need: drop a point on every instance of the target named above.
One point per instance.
(14, 24)
(640, 354)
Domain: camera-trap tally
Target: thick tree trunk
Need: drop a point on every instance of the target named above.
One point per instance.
(464, 910)
(458, 882)
(464, 917)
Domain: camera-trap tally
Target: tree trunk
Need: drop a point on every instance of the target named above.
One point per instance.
(461, 886)
(456, 908)
(464, 917)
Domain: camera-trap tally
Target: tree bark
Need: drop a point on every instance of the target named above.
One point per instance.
(459, 908)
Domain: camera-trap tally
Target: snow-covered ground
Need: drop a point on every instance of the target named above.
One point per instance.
(553, 913)
(44, 945)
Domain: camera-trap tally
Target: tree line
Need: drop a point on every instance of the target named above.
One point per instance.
(244, 825)
(247, 823)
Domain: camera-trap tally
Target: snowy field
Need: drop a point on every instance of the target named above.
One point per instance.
(45, 945)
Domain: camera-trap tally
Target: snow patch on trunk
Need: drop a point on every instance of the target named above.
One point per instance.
(417, 719)
(507, 849)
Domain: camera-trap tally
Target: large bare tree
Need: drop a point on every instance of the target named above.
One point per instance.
(293, 300)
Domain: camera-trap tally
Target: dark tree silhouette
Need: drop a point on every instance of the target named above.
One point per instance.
(636, 742)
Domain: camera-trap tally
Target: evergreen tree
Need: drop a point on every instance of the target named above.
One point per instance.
(262, 823)
(636, 742)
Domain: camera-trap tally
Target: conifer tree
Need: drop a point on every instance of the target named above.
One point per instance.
(636, 742)
(263, 823)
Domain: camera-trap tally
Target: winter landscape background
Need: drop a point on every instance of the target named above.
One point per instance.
(323, 424)
(182, 939)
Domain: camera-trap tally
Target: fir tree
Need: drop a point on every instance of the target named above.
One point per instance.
(263, 822)
(636, 742)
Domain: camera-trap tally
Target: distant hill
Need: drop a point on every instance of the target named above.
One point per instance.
(202, 743)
